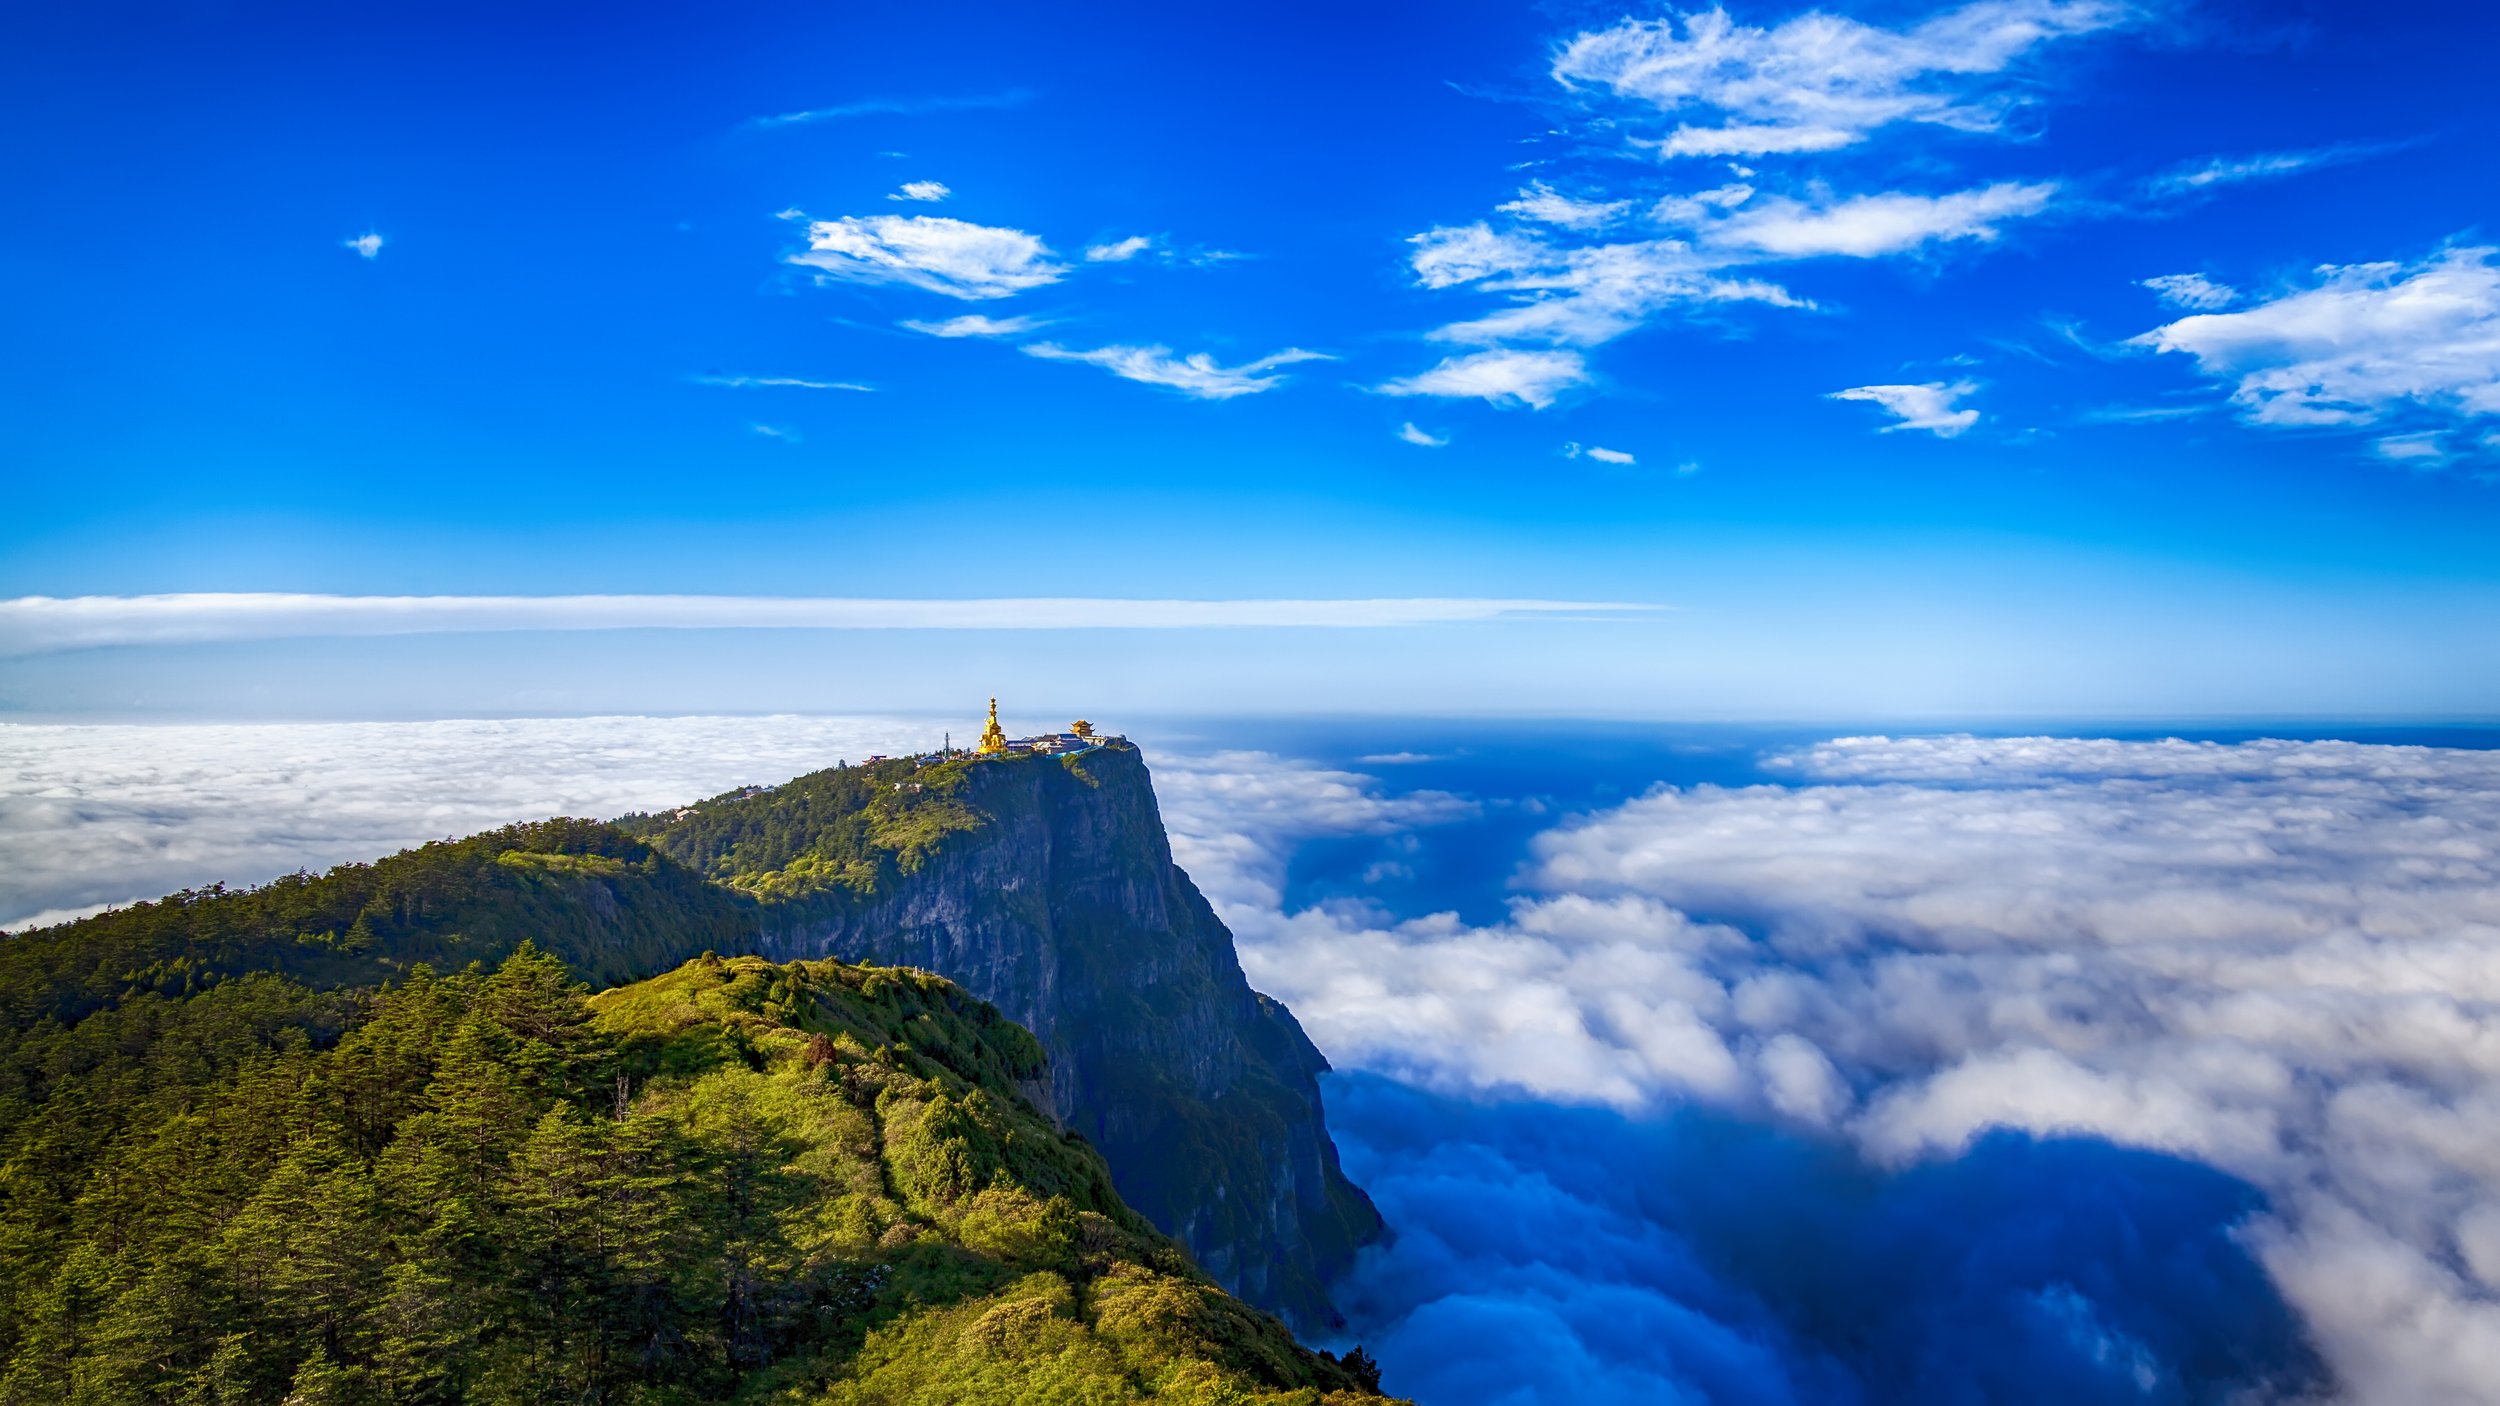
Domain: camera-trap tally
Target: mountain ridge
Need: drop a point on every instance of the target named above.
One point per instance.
(1051, 879)
(1047, 885)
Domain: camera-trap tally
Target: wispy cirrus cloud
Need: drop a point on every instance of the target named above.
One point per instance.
(2215, 172)
(1196, 375)
(2421, 448)
(1543, 204)
(2141, 414)
(1929, 406)
(1119, 251)
(44, 624)
(1581, 296)
(1871, 226)
(1599, 452)
(777, 382)
(1422, 437)
(1160, 249)
(2362, 344)
(2191, 290)
(895, 107)
(931, 252)
(973, 324)
(927, 191)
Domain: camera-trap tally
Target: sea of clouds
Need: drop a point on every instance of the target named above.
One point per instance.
(1948, 1068)
(2278, 960)
(94, 815)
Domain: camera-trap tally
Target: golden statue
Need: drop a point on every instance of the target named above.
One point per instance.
(993, 737)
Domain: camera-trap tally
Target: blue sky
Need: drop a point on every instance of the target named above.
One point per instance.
(1828, 331)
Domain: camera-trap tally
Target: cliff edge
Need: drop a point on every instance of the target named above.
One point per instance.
(1046, 886)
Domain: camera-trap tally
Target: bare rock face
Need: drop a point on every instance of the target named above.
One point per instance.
(1064, 909)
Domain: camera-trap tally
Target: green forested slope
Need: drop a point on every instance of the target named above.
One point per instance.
(1047, 885)
(851, 831)
(252, 1135)
(123, 1019)
(609, 905)
(735, 1182)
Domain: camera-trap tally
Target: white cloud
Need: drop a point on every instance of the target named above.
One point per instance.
(1119, 251)
(1821, 81)
(2280, 958)
(367, 245)
(2276, 957)
(1738, 139)
(789, 382)
(1412, 435)
(1540, 202)
(1866, 226)
(896, 107)
(1700, 206)
(1581, 1000)
(1159, 248)
(1446, 256)
(1593, 295)
(41, 624)
(1922, 407)
(2422, 447)
(1196, 375)
(922, 190)
(1813, 83)
(973, 324)
(1501, 377)
(2191, 290)
(1600, 453)
(932, 252)
(2263, 166)
(1575, 296)
(2366, 341)
(96, 815)
(1585, 295)
(2140, 414)
(779, 432)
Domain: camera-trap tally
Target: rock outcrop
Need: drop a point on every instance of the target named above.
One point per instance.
(1062, 907)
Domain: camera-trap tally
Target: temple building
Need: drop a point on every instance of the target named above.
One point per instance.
(993, 737)
(1080, 737)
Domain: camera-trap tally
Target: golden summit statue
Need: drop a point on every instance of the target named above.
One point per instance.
(993, 737)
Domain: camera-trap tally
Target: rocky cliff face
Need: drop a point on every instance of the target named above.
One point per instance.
(1063, 908)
